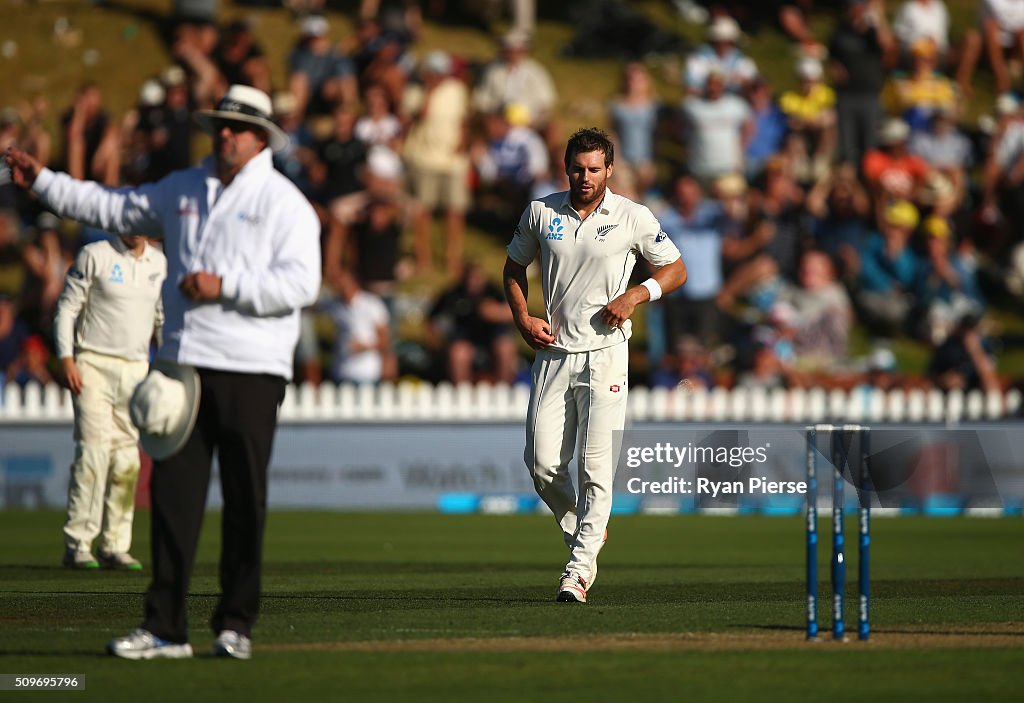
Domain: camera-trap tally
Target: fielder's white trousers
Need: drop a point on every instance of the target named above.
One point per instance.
(577, 402)
(101, 494)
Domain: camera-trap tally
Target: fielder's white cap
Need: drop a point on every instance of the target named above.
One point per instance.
(243, 103)
(164, 407)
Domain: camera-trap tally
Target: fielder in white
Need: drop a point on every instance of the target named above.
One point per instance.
(106, 316)
(589, 240)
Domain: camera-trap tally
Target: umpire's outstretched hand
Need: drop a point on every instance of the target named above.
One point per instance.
(24, 167)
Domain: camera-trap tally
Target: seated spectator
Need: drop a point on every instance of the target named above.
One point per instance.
(891, 171)
(721, 55)
(31, 364)
(474, 325)
(13, 333)
(634, 117)
(752, 273)
(780, 204)
(436, 153)
(379, 125)
(822, 315)
(688, 366)
(718, 128)
(364, 228)
(240, 58)
(509, 162)
(964, 361)
(762, 369)
(917, 95)
(947, 288)
(695, 225)
(362, 347)
(811, 114)
(769, 127)
(1002, 194)
(320, 76)
(516, 78)
(840, 207)
(342, 155)
(944, 146)
(888, 271)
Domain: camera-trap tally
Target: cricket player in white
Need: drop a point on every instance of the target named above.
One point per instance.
(589, 240)
(106, 316)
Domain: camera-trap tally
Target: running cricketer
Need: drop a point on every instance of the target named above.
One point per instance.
(589, 240)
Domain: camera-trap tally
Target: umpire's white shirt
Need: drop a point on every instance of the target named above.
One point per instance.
(115, 298)
(585, 264)
(259, 234)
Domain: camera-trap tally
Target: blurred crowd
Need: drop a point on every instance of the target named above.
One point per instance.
(860, 203)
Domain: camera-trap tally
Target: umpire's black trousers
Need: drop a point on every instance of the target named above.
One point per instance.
(237, 417)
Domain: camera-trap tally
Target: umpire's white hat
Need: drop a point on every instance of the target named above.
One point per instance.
(164, 407)
(243, 103)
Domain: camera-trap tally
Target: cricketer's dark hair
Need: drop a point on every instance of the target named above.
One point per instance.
(590, 139)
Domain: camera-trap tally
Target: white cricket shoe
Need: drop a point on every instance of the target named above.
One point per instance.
(143, 644)
(231, 644)
(572, 589)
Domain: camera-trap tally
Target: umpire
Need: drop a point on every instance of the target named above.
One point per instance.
(243, 256)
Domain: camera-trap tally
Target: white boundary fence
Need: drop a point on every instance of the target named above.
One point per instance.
(421, 402)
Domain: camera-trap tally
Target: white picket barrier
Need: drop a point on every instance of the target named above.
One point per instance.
(414, 401)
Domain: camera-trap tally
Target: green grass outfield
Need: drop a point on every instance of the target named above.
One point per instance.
(427, 607)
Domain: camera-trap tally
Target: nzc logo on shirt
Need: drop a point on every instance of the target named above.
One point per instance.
(117, 275)
(555, 230)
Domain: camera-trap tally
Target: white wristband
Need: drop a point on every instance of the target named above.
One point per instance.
(654, 287)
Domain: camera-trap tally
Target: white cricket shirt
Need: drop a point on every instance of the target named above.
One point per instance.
(259, 234)
(585, 264)
(111, 301)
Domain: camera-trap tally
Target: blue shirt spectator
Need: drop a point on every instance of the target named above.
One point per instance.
(698, 234)
(882, 268)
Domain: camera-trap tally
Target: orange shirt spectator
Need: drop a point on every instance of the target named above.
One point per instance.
(891, 170)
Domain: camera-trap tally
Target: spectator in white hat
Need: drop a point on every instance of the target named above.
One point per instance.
(320, 76)
(516, 78)
(722, 54)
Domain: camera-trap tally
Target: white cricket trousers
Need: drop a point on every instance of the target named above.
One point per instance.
(577, 402)
(101, 494)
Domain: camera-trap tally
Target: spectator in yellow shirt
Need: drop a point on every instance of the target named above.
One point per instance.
(811, 111)
(918, 95)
